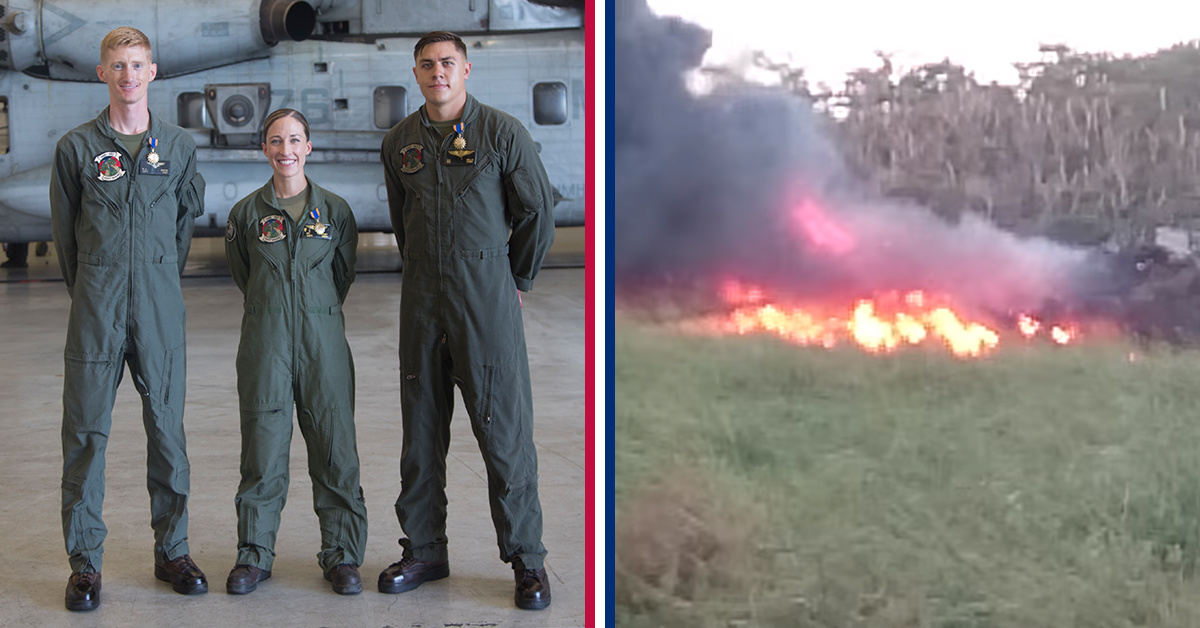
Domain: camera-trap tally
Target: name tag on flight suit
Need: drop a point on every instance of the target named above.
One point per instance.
(316, 231)
(162, 169)
(460, 157)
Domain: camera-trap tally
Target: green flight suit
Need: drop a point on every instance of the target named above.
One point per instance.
(460, 316)
(122, 230)
(293, 350)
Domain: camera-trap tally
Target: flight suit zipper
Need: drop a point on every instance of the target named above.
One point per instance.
(158, 198)
(131, 189)
(294, 273)
(293, 318)
(437, 203)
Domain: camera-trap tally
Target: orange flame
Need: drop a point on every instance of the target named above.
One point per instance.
(878, 326)
(1062, 335)
(1030, 326)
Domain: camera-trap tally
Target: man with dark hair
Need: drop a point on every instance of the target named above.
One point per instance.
(124, 197)
(461, 177)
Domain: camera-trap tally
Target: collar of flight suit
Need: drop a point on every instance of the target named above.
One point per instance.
(469, 113)
(102, 125)
(316, 197)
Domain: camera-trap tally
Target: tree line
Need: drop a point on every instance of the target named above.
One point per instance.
(1087, 146)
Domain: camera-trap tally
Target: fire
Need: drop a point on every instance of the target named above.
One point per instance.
(1030, 326)
(879, 325)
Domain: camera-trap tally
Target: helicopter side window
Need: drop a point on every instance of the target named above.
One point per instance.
(550, 103)
(191, 111)
(3, 125)
(391, 105)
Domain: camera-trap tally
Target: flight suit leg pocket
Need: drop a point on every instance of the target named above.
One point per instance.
(327, 428)
(163, 384)
(341, 442)
(486, 388)
(266, 430)
(172, 385)
(504, 421)
(89, 391)
(416, 397)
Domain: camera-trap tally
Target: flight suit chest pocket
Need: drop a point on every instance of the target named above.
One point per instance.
(163, 210)
(313, 245)
(268, 243)
(483, 175)
(314, 264)
(102, 198)
(416, 213)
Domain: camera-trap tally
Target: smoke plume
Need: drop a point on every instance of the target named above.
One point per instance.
(742, 182)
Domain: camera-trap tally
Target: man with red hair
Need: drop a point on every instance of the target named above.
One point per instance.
(124, 197)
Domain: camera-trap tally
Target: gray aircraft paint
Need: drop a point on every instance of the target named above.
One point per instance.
(202, 44)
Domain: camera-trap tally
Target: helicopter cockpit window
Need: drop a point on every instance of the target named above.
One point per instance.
(191, 110)
(391, 105)
(3, 125)
(550, 103)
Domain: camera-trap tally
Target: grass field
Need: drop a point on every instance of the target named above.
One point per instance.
(763, 484)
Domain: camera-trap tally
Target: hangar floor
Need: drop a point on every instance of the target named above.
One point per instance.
(478, 592)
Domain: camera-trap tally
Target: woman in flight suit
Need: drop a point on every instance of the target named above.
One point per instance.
(291, 251)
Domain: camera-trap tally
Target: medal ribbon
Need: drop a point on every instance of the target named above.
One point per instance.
(153, 143)
(460, 142)
(315, 214)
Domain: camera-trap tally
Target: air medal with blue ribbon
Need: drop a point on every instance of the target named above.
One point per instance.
(152, 158)
(459, 142)
(319, 229)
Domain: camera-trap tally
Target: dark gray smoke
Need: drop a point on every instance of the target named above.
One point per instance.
(709, 185)
(699, 180)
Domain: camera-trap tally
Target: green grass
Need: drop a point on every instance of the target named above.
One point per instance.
(764, 484)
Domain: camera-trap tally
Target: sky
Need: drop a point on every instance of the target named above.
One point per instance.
(831, 38)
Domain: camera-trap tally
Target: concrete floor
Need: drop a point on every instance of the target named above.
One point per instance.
(33, 308)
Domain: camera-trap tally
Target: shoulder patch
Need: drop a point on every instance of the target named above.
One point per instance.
(230, 230)
(412, 158)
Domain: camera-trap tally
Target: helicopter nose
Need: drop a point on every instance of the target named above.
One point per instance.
(24, 210)
(25, 192)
